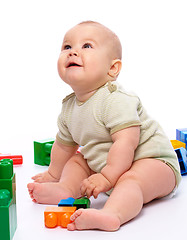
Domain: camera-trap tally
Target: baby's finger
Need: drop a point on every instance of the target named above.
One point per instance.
(96, 192)
(89, 190)
(84, 187)
(39, 180)
(36, 176)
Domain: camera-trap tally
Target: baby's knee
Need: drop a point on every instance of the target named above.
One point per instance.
(129, 176)
(78, 158)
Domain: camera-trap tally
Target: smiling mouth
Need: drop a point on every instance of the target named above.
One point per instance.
(73, 65)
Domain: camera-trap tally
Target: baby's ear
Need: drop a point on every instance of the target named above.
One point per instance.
(115, 68)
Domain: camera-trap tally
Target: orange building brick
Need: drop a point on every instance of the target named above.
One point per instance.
(177, 144)
(58, 216)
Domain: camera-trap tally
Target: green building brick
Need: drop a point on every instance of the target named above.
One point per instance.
(83, 202)
(8, 214)
(42, 152)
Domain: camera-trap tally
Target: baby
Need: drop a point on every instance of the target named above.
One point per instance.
(123, 151)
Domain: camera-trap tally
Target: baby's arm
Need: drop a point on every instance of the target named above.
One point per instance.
(60, 154)
(121, 153)
(120, 159)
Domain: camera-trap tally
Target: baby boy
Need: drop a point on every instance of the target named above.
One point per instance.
(123, 151)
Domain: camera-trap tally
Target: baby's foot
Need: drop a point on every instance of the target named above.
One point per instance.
(44, 177)
(93, 219)
(48, 193)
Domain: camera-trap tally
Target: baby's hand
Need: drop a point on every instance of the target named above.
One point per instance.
(44, 177)
(94, 185)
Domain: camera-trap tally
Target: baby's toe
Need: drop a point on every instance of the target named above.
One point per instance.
(71, 227)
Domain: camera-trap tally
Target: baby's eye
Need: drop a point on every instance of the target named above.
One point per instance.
(87, 45)
(66, 47)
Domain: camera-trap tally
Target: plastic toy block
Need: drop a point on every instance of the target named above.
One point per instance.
(78, 203)
(82, 203)
(181, 135)
(66, 202)
(8, 215)
(42, 151)
(17, 159)
(181, 154)
(177, 144)
(58, 216)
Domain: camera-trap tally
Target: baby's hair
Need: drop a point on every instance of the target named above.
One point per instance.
(116, 44)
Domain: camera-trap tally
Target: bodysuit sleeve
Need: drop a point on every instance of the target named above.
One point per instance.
(121, 110)
(63, 135)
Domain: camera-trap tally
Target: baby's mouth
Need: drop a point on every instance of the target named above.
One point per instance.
(73, 64)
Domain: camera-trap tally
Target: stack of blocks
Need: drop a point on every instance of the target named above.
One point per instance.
(180, 146)
(60, 216)
(8, 216)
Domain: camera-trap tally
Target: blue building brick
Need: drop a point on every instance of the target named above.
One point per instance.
(181, 135)
(181, 154)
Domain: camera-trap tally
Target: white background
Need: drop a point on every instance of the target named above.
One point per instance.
(153, 34)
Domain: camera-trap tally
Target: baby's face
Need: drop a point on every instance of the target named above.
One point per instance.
(85, 57)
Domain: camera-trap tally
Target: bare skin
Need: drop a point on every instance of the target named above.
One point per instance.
(51, 192)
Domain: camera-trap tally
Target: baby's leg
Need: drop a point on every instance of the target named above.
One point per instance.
(74, 172)
(146, 180)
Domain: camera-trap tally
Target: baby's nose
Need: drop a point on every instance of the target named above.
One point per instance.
(73, 53)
